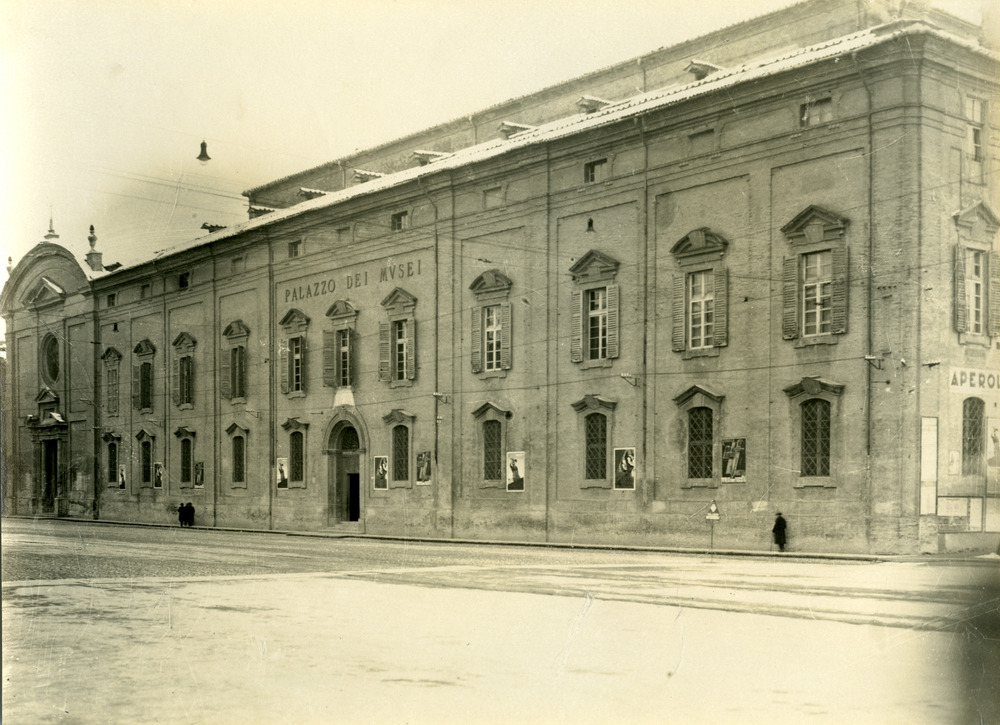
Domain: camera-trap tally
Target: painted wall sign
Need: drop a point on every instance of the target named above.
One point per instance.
(970, 379)
(327, 285)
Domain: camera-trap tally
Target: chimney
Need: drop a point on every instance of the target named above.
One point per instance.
(94, 258)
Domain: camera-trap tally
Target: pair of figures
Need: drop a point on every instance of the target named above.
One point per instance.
(185, 514)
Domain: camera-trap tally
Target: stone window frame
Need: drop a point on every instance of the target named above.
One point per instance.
(400, 221)
(810, 388)
(593, 271)
(700, 250)
(294, 324)
(112, 469)
(699, 396)
(183, 375)
(400, 307)
(344, 319)
(975, 113)
(233, 431)
(395, 419)
(147, 474)
(112, 360)
(813, 230)
(976, 228)
(293, 426)
(490, 411)
(236, 335)
(491, 288)
(185, 434)
(142, 387)
(50, 355)
(587, 405)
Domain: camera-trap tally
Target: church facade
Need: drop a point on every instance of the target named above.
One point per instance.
(769, 282)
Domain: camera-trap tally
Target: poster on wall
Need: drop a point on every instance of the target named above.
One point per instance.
(993, 456)
(516, 471)
(734, 460)
(282, 472)
(380, 464)
(157, 475)
(424, 467)
(625, 469)
(199, 474)
(121, 476)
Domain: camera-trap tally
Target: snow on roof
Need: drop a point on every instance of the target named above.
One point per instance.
(612, 113)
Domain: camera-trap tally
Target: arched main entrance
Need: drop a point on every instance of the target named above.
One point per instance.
(344, 488)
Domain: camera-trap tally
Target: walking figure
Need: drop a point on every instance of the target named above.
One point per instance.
(779, 531)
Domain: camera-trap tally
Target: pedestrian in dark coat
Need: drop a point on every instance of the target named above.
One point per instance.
(189, 514)
(779, 531)
(181, 514)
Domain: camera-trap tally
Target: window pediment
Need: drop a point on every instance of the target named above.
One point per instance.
(45, 293)
(145, 347)
(294, 321)
(111, 357)
(184, 432)
(594, 265)
(399, 301)
(184, 342)
(594, 403)
(491, 283)
(111, 436)
(236, 429)
(699, 241)
(46, 395)
(294, 424)
(397, 416)
(236, 329)
(813, 386)
(696, 394)
(144, 434)
(491, 410)
(978, 222)
(342, 312)
(815, 224)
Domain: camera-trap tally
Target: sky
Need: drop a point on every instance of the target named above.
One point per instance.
(105, 103)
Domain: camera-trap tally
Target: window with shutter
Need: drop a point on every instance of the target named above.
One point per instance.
(594, 313)
(142, 376)
(233, 362)
(339, 370)
(182, 370)
(398, 339)
(699, 296)
(112, 375)
(294, 354)
(491, 324)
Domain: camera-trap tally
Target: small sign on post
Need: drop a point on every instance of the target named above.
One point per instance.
(712, 516)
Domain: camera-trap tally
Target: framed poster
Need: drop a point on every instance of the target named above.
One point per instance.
(625, 469)
(424, 467)
(734, 460)
(516, 471)
(281, 468)
(380, 464)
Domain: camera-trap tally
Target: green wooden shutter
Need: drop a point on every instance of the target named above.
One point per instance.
(576, 319)
(790, 298)
(225, 374)
(612, 290)
(384, 333)
(961, 308)
(505, 336)
(839, 291)
(720, 332)
(330, 358)
(477, 339)
(993, 323)
(411, 349)
(677, 313)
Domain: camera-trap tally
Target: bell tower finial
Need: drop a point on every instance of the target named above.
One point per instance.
(51, 236)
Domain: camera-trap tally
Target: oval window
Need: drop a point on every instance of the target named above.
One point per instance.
(50, 359)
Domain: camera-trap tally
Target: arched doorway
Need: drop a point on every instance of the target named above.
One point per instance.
(344, 490)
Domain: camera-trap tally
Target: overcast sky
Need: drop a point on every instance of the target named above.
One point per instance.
(105, 102)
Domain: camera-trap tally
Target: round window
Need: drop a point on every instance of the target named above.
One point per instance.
(50, 359)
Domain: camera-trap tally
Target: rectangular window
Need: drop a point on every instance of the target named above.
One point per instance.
(112, 391)
(112, 299)
(973, 436)
(597, 323)
(594, 171)
(186, 463)
(596, 447)
(701, 309)
(112, 462)
(815, 438)
(974, 279)
(400, 453)
(295, 353)
(492, 451)
(296, 456)
(974, 114)
(184, 280)
(146, 461)
(700, 443)
(145, 291)
(146, 385)
(492, 336)
(344, 371)
(816, 112)
(817, 279)
(399, 343)
(239, 459)
(185, 381)
(399, 221)
(294, 249)
(237, 371)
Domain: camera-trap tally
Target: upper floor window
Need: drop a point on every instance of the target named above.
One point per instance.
(594, 171)
(294, 249)
(975, 116)
(397, 339)
(701, 308)
(112, 366)
(815, 280)
(973, 437)
(142, 376)
(977, 275)
(294, 353)
(111, 300)
(399, 221)
(183, 370)
(816, 112)
(700, 295)
(594, 309)
(183, 280)
(491, 323)
(233, 362)
(145, 291)
(975, 264)
(339, 346)
(50, 359)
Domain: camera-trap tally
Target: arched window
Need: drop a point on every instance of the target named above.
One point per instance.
(112, 462)
(50, 359)
(186, 462)
(296, 456)
(815, 438)
(400, 453)
(492, 450)
(596, 442)
(700, 443)
(973, 436)
(146, 454)
(239, 459)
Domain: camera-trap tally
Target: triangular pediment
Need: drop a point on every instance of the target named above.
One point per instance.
(978, 221)
(184, 432)
(236, 328)
(235, 428)
(594, 265)
(489, 282)
(595, 403)
(144, 434)
(700, 241)
(45, 395)
(111, 355)
(813, 386)
(815, 224)
(491, 408)
(397, 416)
(294, 424)
(294, 318)
(45, 293)
(184, 340)
(145, 347)
(341, 310)
(399, 300)
(700, 390)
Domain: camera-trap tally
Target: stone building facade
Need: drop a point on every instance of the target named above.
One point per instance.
(769, 282)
